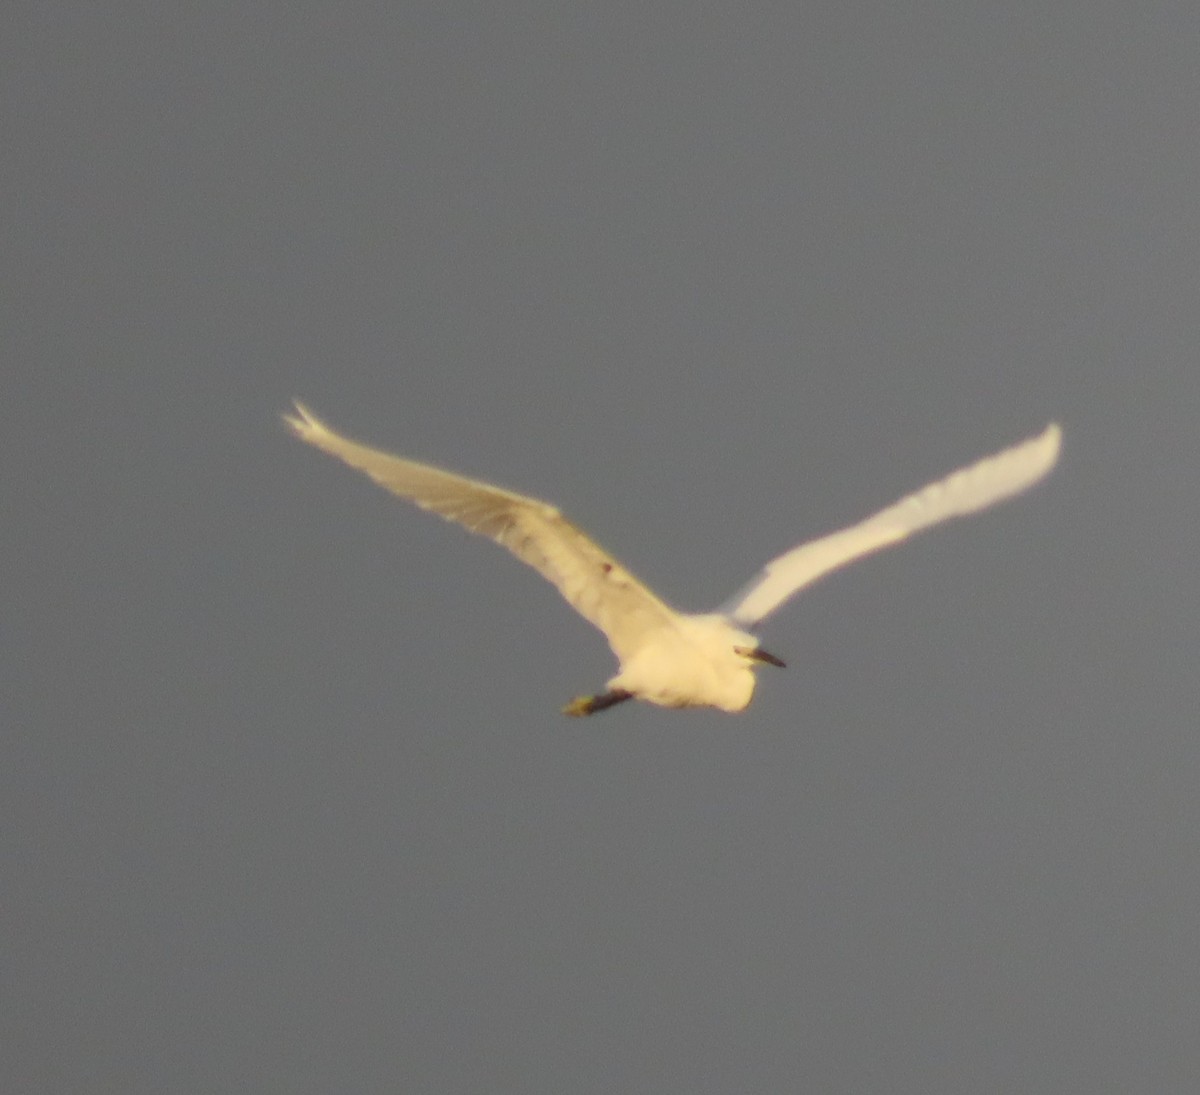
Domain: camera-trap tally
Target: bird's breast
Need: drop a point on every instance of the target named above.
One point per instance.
(673, 670)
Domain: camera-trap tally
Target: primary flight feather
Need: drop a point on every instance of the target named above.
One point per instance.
(667, 657)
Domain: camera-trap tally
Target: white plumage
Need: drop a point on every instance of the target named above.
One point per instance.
(667, 657)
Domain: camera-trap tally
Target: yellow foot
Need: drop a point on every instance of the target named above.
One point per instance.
(580, 705)
(589, 705)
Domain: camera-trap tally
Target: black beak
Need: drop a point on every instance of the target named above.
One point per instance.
(760, 655)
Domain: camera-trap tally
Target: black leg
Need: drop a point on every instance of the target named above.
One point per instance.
(589, 705)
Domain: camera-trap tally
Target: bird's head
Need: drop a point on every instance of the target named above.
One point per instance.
(757, 654)
(720, 636)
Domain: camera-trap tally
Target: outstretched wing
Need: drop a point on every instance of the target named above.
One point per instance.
(965, 491)
(592, 581)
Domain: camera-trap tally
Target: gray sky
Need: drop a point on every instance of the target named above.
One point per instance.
(288, 802)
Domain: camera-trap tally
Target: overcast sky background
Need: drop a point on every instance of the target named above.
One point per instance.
(288, 802)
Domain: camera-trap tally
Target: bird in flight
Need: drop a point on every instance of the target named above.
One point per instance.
(667, 657)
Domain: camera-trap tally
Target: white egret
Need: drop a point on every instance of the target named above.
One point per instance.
(668, 657)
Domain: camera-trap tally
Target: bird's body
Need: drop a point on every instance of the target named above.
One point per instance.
(694, 661)
(667, 657)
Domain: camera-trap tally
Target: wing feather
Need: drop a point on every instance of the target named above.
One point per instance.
(965, 491)
(597, 586)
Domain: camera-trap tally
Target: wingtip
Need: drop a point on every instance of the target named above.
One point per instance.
(1050, 442)
(304, 424)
